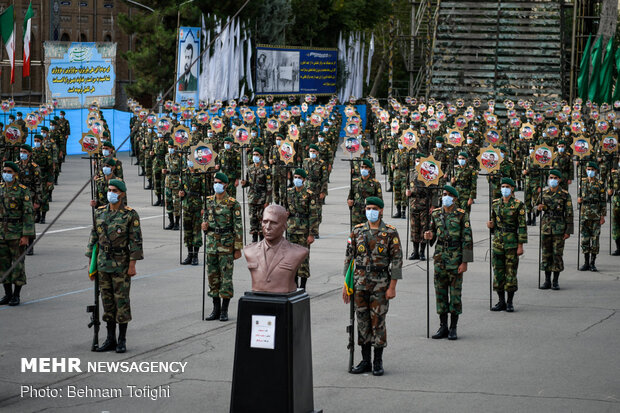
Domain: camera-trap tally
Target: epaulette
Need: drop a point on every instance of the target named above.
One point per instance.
(565, 191)
(22, 186)
(231, 199)
(309, 191)
(518, 201)
(128, 208)
(359, 225)
(34, 164)
(461, 210)
(497, 200)
(211, 197)
(102, 207)
(390, 226)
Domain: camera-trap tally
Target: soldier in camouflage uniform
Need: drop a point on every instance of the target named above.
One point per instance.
(473, 150)
(279, 171)
(258, 178)
(373, 246)
(317, 170)
(229, 162)
(466, 180)
(50, 145)
(101, 182)
(614, 192)
(107, 150)
(506, 170)
(563, 162)
(303, 221)
(533, 185)
(556, 228)
(57, 137)
(156, 181)
(509, 234)
(65, 129)
(401, 161)
(192, 193)
(16, 228)
(441, 154)
(362, 188)
(224, 242)
(451, 229)
(118, 237)
(43, 157)
(146, 148)
(173, 169)
(592, 202)
(30, 176)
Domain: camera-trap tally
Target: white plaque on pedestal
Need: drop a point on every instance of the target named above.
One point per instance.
(263, 332)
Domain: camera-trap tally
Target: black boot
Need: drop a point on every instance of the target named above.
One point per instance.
(501, 304)
(529, 219)
(422, 248)
(509, 307)
(304, 280)
(8, 294)
(110, 342)
(190, 256)
(176, 223)
(390, 189)
(141, 171)
(121, 346)
(217, 307)
(397, 214)
(158, 202)
(30, 248)
(586, 263)
(617, 251)
(15, 298)
(534, 219)
(195, 257)
(377, 363)
(593, 263)
(547, 284)
(149, 185)
(555, 285)
(224, 312)
(170, 221)
(254, 237)
(415, 255)
(443, 327)
(454, 320)
(43, 217)
(364, 366)
(37, 217)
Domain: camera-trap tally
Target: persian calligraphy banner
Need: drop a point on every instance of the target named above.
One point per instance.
(80, 73)
(295, 71)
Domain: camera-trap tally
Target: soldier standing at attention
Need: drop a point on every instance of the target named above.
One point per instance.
(466, 180)
(373, 246)
(556, 227)
(174, 165)
(362, 188)
(229, 162)
(563, 162)
(30, 176)
(318, 173)
(614, 192)
(303, 221)
(591, 200)
(192, 193)
(509, 234)
(258, 178)
(118, 237)
(107, 150)
(451, 229)
(17, 227)
(43, 157)
(102, 182)
(224, 242)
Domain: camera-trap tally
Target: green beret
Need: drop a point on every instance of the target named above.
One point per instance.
(222, 177)
(62, 112)
(471, 135)
(37, 136)
(465, 154)
(26, 147)
(322, 134)
(556, 173)
(502, 148)
(279, 134)
(170, 142)
(593, 164)
(301, 173)
(259, 150)
(53, 122)
(373, 200)
(439, 139)
(56, 118)
(118, 184)
(107, 144)
(368, 164)
(228, 139)
(106, 134)
(313, 146)
(109, 161)
(12, 165)
(19, 113)
(562, 142)
(451, 190)
(420, 155)
(365, 144)
(508, 181)
(44, 128)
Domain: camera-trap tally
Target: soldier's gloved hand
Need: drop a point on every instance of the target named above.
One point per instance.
(345, 297)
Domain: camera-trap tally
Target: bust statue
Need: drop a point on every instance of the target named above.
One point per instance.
(273, 262)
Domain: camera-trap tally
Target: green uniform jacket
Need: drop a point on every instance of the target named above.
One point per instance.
(509, 222)
(452, 232)
(225, 232)
(258, 178)
(374, 250)
(558, 212)
(303, 212)
(16, 216)
(593, 199)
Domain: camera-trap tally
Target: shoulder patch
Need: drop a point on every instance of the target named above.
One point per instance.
(22, 186)
(102, 207)
(128, 208)
(359, 225)
(309, 192)
(461, 210)
(390, 226)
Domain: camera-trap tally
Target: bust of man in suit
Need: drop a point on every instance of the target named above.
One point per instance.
(273, 262)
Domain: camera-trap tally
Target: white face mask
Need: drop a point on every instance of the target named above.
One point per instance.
(561, 149)
(321, 139)
(278, 142)
(372, 215)
(218, 187)
(170, 151)
(400, 146)
(591, 173)
(447, 201)
(506, 192)
(256, 159)
(462, 162)
(190, 164)
(105, 152)
(112, 197)
(531, 151)
(210, 134)
(193, 129)
(253, 134)
(23, 156)
(227, 146)
(364, 172)
(106, 170)
(470, 141)
(37, 144)
(553, 183)
(438, 145)
(501, 154)
(298, 182)
(312, 155)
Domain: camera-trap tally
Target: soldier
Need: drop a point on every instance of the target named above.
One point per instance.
(30, 176)
(317, 170)
(158, 155)
(56, 136)
(362, 188)
(50, 145)
(473, 150)
(303, 220)
(17, 217)
(65, 130)
(373, 246)
(43, 157)
(400, 166)
(440, 153)
(101, 182)
(451, 229)
(533, 185)
(279, 171)
(118, 237)
(556, 228)
(258, 178)
(174, 166)
(614, 192)
(107, 150)
(506, 170)
(563, 162)
(510, 233)
(466, 180)
(592, 201)
(224, 241)
(229, 159)
(192, 193)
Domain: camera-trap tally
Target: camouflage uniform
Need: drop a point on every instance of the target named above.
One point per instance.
(466, 180)
(614, 185)
(118, 167)
(506, 170)
(119, 240)
(101, 190)
(317, 181)
(361, 189)
(195, 189)
(373, 252)
(509, 230)
(422, 199)
(556, 221)
(303, 220)
(174, 165)
(258, 178)
(564, 163)
(30, 176)
(160, 149)
(401, 161)
(452, 232)
(223, 237)
(43, 157)
(230, 163)
(279, 173)
(533, 182)
(593, 208)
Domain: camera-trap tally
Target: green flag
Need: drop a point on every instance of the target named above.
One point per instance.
(617, 89)
(607, 74)
(92, 270)
(596, 69)
(584, 72)
(348, 279)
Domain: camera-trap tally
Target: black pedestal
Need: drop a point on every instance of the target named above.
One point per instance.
(278, 380)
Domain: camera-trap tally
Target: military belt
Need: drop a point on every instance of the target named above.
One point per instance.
(224, 230)
(449, 243)
(554, 214)
(590, 202)
(193, 193)
(372, 268)
(506, 229)
(11, 220)
(114, 250)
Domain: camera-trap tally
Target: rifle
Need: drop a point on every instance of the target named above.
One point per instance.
(94, 309)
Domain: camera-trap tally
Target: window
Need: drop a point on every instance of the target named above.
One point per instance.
(107, 38)
(65, 38)
(83, 37)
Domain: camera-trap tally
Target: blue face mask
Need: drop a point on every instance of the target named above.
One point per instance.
(462, 162)
(106, 170)
(106, 152)
(227, 146)
(506, 192)
(256, 159)
(112, 197)
(561, 149)
(591, 173)
(470, 141)
(218, 187)
(37, 144)
(438, 145)
(447, 201)
(23, 156)
(364, 172)
(372, 215)
(321, 139)
(400, 146)
(312, 155)
(170, 151)
(8, 177)
(553, 183)
(298, 182)
(501, 154)
(190, 164)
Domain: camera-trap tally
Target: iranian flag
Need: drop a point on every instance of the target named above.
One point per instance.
(27, 22)
(7, 29)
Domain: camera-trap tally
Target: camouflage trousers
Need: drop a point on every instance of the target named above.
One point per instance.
(448, 286)
(9, 252)
(115, 296)
(419, 222)
(45, 196)
(552, 252)
(371, 307)
(220, 273)
(615, 216)
(590, 233)
(279, 185)
(256, 217)
(505, 265)
(192, 233)
(301, 239)
(148, 165)
(157, 180)
(400, 187)
(173, 201)
(531, 194)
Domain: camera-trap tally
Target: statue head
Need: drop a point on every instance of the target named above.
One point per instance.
(274, 222)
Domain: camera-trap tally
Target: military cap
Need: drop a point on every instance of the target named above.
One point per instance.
(222, 177)
(62, 112)
(556, 173)
(56, 118)
(420, 155)
(105, 134)
(53, 122)
(313, 146)
(109, 161)
(259, 150)
(592, 164)
(464, 154)
(37, 136)
(471, 135)
(118, 184)
(228, 139)
(45, 128)
(107, 144)
(562, 142)
(451, 190)
(170, 142)
(502, 148)
(19, 114)
(439, 139)
(508, 181)
(373, 200)
(26, 147)
(279, 134)
(301, 173)
(365, 144)
(12, 165)
(367, 163)
(322, 133)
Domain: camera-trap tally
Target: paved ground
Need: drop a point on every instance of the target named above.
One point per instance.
(558, 352)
